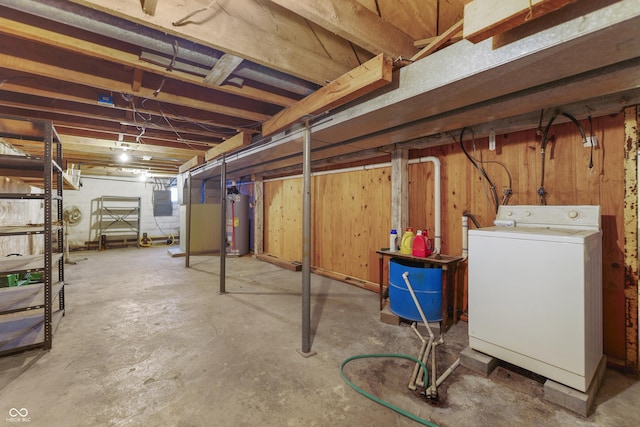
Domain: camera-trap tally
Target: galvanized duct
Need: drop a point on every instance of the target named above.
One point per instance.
(84, 18)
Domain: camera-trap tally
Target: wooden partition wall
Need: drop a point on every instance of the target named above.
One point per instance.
(352, 214)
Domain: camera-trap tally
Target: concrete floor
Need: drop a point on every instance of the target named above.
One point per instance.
(147, 342)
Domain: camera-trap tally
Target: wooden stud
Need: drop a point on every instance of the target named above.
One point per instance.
(439, 41)
(425, 42)
(631, 141)
(149, 6)
(369, 76)
(226, 65)
(137, 80)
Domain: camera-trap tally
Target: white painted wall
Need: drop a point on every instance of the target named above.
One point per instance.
(19, 212)
(87, 200)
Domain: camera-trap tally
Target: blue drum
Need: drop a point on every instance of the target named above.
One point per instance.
(427, 285)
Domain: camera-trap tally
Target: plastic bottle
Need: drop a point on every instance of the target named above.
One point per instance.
(393, 241)
(406, 246)
(419, 247)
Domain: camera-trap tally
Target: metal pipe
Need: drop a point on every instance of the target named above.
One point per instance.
(306, 240)
(187, 238)
(85, 18)
(465, 237)
(223, 224)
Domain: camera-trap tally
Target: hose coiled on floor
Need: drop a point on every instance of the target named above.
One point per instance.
(377, 399)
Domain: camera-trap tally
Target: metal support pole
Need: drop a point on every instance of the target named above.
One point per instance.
(223, 224)
(306, 242)
(187, 228)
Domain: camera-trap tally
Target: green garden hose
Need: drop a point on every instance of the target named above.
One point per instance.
(380, 401)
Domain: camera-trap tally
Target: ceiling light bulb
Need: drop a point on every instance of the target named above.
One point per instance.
(124, 157)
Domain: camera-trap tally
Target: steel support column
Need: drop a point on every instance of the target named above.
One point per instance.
(187, 238)
(306, 242)
(223, 224)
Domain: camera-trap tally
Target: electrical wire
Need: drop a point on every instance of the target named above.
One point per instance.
(377, 399)
(478, 166)
(542, 194)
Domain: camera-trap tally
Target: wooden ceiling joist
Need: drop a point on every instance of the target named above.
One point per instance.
(90, 49)
(231, 34)
(58, 72)
(354, 22)
(371, 75)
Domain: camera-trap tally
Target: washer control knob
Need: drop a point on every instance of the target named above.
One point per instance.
(527, 213)
(572, 214)
(509, 213)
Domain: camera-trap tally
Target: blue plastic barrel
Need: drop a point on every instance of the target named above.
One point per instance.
(426, 284)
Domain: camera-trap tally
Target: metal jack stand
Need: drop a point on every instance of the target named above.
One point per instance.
(428, 347)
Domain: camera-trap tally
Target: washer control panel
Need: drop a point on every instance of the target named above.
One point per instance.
(556, 216)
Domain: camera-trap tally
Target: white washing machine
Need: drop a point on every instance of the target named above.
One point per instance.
(535, 291)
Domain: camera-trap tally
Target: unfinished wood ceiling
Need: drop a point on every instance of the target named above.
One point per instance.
(169, 80)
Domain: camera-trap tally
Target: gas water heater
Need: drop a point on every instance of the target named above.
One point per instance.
(237, 224)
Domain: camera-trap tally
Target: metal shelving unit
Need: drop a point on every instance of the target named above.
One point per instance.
(118, 216)
(27, 314)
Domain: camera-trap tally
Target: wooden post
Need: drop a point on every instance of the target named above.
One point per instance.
(631, 132)
(400, 190)
(258, 215)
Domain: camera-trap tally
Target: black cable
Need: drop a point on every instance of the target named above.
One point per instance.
(481, 170)
(472, 218)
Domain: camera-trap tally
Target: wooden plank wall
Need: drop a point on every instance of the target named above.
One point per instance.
(351, 215)
(351, 212)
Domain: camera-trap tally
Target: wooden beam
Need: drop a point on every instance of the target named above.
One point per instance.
(85, 78)
(17, 29)
(354, 22)
(222, 70)
(486, 18)
(149, 6)
(239, 140)
(79, 143)
(438, 41)
(371, 75)
(631, 142)
(136, 84)
(227, 27)
(192, 163)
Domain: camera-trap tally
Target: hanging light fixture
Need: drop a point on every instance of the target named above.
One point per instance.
(124, 156)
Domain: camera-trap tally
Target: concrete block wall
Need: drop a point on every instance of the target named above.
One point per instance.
(87, 200)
